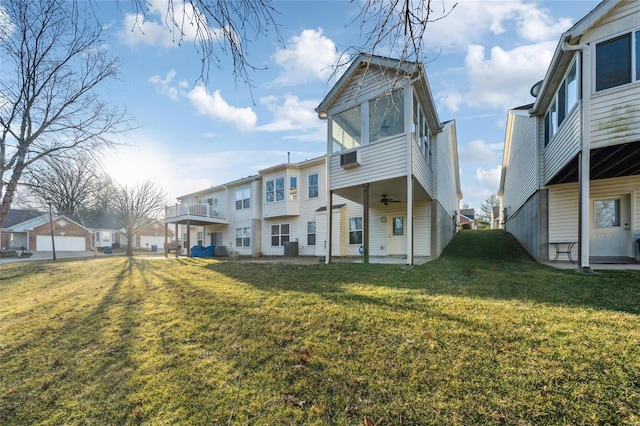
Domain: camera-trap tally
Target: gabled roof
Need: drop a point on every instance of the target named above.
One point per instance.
(41, 220)
(562, 58)
(415, 71)
(468, 213)
(99, 220)
(16, 216)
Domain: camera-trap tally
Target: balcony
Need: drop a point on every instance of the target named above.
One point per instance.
(195, 214)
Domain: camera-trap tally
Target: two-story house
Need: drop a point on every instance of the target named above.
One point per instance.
(571, 166)
(390, 180)
(388, 152)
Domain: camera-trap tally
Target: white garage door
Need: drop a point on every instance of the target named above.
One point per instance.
(152, 241)
(43, 243)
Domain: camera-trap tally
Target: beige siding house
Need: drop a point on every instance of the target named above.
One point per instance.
(388, 152)
(571, 165)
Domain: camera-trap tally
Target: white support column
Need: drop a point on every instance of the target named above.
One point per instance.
(585, 161)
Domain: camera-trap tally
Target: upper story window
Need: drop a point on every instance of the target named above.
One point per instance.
(346, 130)
(293, 188)
(386, 116)
(563, 102)
(421, 132)
(243, 199)
(274, 190)
(313, 186)
(618, 61)
(214, 202)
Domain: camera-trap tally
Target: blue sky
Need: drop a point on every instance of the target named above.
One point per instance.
(482, 59)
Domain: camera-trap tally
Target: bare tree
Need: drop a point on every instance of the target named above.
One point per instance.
(137, 206)
(53, 61)
(69, 184)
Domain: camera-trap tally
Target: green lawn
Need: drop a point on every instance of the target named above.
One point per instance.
(481, 336)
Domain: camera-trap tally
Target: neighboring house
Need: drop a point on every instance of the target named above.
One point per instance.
(388, 151)
(389, 179)
(571, 165)
(35, 234)
(107, 231)
(15, 240)
(468, 217)
(495, 217)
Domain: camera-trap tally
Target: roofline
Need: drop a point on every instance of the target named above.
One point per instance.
(363, 59)
(572, 37)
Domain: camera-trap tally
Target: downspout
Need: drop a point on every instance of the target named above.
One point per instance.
(584, 155)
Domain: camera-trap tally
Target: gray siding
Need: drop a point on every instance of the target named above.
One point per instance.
(521, 169)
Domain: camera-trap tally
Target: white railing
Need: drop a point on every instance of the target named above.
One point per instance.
(200, 210)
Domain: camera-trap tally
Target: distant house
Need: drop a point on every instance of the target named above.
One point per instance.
(495, 218)
(571, 164)
(31, 230)
(10, 240)
(34, 234)
(467, 219)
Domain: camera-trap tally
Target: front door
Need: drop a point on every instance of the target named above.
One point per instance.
(610, 227)
(396, 235)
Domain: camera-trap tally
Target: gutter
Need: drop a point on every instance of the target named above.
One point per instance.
(584, 155)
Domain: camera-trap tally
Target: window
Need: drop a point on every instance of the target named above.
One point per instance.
(397, 226)
(386, 116)
(564, 101)
(346, 129)
(355, 230)
(311, 233)
(613, 62)
(637, 55)
(243, 237)
(214, 204)
(97, 236)
(550, 123)
(607, 213)
(313, 186)
(243, 199)
(572, 87)
(279, 234)
(293, 188)
(274, 190)
(200, 238)
(421, 133)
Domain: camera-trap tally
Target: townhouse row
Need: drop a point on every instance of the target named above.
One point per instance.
(389, 180)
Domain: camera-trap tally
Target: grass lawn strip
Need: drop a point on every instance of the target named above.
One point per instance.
(481, 336)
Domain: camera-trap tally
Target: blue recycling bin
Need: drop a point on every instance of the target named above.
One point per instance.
(108, 250)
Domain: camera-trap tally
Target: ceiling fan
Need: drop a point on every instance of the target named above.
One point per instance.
(384, 200)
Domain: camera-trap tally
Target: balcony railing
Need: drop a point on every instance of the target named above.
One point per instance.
(199, 210)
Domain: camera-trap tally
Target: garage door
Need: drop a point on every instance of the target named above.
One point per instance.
(152, 241)
(43, 243)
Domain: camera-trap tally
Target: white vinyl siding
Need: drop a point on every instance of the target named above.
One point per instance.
(564, 147)
(421, 170)
(521, 174)
(614, 116)
(378, 161)
(445, 170)
(422, 229)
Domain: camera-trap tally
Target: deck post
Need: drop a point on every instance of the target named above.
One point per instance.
(365, 221)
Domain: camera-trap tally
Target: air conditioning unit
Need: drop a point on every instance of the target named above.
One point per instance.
(350, 159)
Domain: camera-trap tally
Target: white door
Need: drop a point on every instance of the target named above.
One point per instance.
(396, 235)
(610, 226)
(43, 243)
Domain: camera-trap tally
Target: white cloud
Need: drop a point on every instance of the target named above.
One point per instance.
(478, 150)
(471, 20)
(214, 106)
(502, 80)
(307, 57)
(292, 113)
(489, 178)
(163, 85)
(167, 24)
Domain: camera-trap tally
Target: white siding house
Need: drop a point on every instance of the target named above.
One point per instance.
(389, 153)
(403, 158)
(571, 165)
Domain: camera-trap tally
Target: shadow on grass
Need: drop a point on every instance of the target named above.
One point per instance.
(476, 264)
